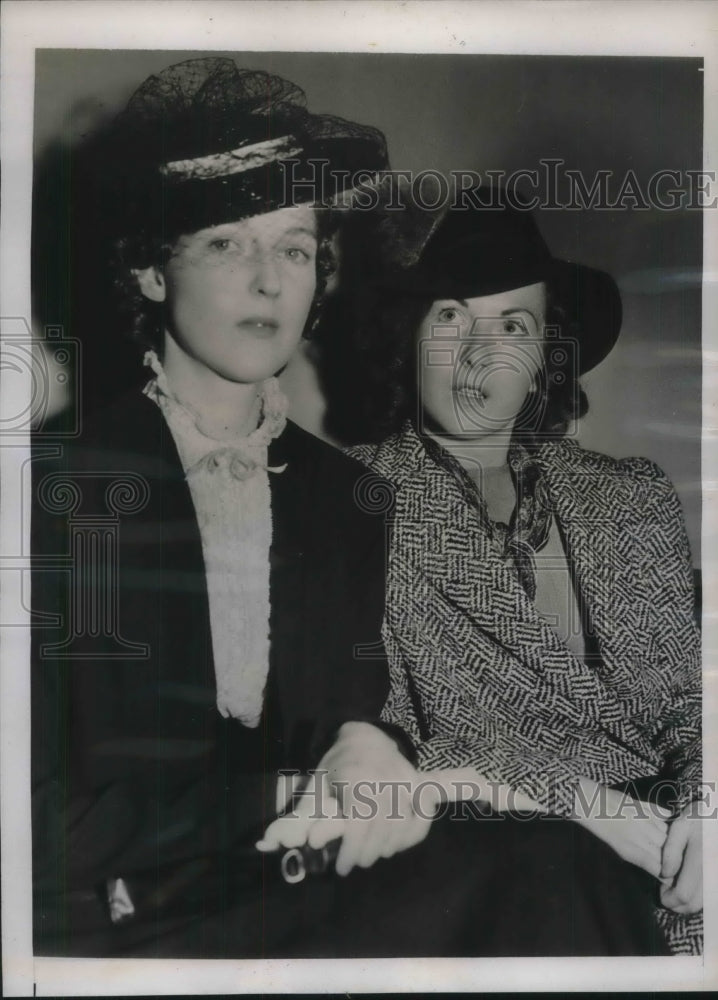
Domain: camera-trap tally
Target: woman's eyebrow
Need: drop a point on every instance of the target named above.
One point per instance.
(295, 230)
(517, 309)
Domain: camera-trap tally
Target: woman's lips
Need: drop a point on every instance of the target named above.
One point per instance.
(472, 380)
(259, 325)
(471, 392)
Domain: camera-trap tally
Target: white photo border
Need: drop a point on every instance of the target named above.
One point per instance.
(602, 28)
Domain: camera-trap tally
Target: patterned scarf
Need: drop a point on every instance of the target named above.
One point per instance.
(528, 529)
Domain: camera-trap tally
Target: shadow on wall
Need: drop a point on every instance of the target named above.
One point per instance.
(72, 282)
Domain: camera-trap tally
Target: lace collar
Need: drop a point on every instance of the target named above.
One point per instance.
(242, 455)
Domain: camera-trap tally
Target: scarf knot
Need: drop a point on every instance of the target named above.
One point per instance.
(528, 529)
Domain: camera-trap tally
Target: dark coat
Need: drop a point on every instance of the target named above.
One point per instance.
(134, 769)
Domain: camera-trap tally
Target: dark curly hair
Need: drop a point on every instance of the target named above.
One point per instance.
(384, 327)
(145, 321)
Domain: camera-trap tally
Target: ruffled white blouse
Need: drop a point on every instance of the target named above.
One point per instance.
(229, 484)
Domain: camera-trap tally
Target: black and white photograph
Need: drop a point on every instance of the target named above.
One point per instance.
(356, 451)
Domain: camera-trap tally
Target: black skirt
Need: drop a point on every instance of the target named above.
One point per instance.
(498, 885)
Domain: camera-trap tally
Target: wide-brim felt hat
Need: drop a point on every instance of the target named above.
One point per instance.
(205, 142)
(491, 244)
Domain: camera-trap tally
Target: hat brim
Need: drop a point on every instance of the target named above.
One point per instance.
(145, 201)
(592, 303)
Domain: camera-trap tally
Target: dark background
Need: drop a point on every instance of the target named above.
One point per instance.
(442, 112)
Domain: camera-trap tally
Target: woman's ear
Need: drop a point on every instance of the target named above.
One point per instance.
(151, 282)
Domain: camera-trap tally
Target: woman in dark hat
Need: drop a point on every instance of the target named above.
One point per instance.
(221, 574)
(539, 617)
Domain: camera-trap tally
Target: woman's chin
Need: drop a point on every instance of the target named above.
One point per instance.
(250, 374)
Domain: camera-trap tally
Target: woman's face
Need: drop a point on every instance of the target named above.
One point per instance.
(478, 358)
(238, 294)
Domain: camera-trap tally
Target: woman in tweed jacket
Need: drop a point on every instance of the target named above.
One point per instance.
(539, 613)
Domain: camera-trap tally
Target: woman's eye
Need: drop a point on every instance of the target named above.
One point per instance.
(296, 254)
(220, 243)
(512, 327)
(449, 314)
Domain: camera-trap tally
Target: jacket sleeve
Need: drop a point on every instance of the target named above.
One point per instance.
(157, 812)
(358, 686)
(547, 778)
(667, 575)
(86, 830)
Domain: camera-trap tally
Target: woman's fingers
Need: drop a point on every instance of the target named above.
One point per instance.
(635, 846)
(314, 806)
(393, 826)
(635, 833)
(351, 847)
(641, 852)
(375, 843)
(674, 847)
(362, 838)
(650, 860)
(322, 831)
(375, 836)
(683, 865)
(687, 895)
(683, 899)
(649, 839)
(656, 834)
(287, 831)
(377, 788)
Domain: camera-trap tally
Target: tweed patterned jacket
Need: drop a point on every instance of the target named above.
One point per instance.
(479, 678)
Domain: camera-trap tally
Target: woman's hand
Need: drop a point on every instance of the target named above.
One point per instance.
(682, 863)
(378, 790)
(367, 793)
(635, 830)
(315, 819)
(364, 791)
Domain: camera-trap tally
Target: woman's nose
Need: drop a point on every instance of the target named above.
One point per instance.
(266, 279)
(498, 352)
(480, 355)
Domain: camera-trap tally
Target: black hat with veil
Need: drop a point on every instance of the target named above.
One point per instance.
(205, 142)
(200, 143)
